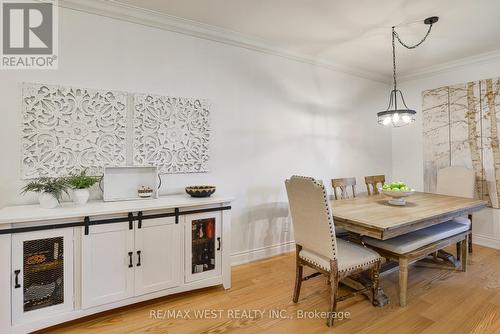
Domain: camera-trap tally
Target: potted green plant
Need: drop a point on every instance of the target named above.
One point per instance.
(80, 184)
(50, 190)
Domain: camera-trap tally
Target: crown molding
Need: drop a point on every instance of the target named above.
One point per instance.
(150, 18)
(450, 66)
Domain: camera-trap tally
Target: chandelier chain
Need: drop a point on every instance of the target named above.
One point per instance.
(394, 60)
(395, 36)
(415, 45)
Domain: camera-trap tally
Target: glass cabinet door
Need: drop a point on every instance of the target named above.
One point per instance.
(203, 246)
(42, 273)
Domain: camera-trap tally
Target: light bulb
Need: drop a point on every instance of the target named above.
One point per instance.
(406, 119)
(395, 118)
(386, 121)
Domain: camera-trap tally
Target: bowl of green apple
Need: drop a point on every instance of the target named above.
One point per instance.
(398, 191)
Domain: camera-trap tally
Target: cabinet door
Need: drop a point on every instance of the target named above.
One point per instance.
(203, 245)
(158, 255)
(42, 281)
(107, 264)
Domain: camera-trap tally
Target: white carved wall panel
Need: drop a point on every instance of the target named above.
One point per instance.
(67, 128)
(171, 133)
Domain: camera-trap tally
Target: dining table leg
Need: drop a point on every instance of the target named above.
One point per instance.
(465, 253)
(403, 280)
(362, 281)
(380, 298)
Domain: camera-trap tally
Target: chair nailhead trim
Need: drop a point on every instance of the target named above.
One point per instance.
(359, 266)
(348, 269)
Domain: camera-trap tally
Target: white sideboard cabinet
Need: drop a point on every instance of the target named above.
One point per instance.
(74, 261)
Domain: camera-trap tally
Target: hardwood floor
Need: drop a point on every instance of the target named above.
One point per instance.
(439, 301)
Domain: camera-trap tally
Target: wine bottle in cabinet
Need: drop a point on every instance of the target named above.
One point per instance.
(203, 245)
(42, 269)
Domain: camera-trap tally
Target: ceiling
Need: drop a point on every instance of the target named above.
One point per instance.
(355, 34)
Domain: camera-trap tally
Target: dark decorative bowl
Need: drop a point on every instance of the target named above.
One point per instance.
(200, 191)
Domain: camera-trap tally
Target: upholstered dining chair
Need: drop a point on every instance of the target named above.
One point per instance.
(317, 246)
(461, 182)
(372, 181)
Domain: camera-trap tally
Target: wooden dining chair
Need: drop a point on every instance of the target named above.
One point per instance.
(340, 191)
(317, 246)
(342, 185)
(460, 182)
(373, 181)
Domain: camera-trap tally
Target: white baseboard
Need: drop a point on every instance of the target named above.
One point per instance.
(261, 253)
(486, 241)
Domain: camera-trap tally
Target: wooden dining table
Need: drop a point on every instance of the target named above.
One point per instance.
(373, 216)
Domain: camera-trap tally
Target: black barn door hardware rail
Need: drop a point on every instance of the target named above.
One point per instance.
(130, 218)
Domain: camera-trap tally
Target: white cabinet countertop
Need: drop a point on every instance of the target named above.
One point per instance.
(33, 212)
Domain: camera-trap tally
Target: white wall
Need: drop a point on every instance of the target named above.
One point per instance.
(407, 149)
(271, 117)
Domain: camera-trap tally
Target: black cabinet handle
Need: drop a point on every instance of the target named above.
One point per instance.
(218, 240)
(138, 259)
(130, 265)
(139, 219)
(16, 281)
(130, 221)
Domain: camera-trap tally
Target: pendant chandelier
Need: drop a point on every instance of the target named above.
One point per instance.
(397, 113)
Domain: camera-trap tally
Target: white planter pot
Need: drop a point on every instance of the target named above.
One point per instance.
(80, 196)
(48, 201)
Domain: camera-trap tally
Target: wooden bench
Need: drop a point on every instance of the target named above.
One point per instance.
(414, 246)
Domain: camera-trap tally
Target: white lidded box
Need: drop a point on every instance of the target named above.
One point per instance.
(123, 183)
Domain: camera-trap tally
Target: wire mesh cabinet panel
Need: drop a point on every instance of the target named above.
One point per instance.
(42, 274)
